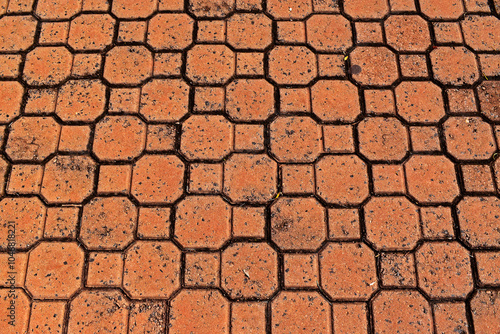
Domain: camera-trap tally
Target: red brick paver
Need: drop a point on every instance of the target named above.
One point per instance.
(250, 166)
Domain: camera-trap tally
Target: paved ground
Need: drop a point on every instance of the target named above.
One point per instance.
(247, 166)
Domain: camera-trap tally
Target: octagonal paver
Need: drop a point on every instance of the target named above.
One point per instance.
(99, 311)
(431, 179)
(250, 178)
(22, 219)
(250, 270)
(348, 271)
(371, 60)
(208, 312)
(454, 65)
(292, 65)
(157, 179)
(81, 100)
(295, 139)
(210, 64)
(392, 223)
(342, 179)
(55, 270)
(479, 221)
(46, 65)
(298, 223)
(32, 138)
(444, 270)
(68, 179)
(108, 223)
(17, 33)
(152, 269)
(335, 101)
(300, 312)
(164, 100)
(128, 65)
(202, 222)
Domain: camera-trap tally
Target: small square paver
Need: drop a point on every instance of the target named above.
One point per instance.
(61, 222)
(248, 137)
(297, 179)
(114, 179)
(301, 270)
(295, 100)
(202, 269)
(154, 223)
(249, 222)
(344, 224)
(105, 270)
(205, 178)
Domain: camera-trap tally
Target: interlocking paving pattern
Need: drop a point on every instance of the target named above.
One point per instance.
(250, 166)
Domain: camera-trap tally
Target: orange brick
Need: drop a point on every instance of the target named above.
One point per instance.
(388, 179)
(248, 137)
(249, 222)
(202, 269)
(168, 64)
(85, 64)
(209, 98)
(9, 66)
(297, 179)
(248, 317)
(154, 223)
(211, 31)
(344, 224)
(132, 31)
(205, 178)
(74, 138)
(114, 179)
(54, 33)
(250, 63)
(124, 100)
(331, 65)
(160, 137)
(25, 179)
(338, 138)
(41, 101)
(379, 102)
(295, 100)
(61, 222)
(301, 270)
(105, 269)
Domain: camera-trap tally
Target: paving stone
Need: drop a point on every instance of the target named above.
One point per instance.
(393, 216)
(485, 306)
(202, 222)
(104, 311)
(348, 271)
(292, 65)
(68, 179)
(249, 270)
(479, 222)
(300, 312)
(444, 270)
(55, 270)
(332, 173)
(295, 139)
(108, 223)
(257, 186)
(370, 60)
(152, 269)
(298, 223)
(211, 312)
(401, 310)
(407, 33)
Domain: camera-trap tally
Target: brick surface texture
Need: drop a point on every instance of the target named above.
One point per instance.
(250, 166)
